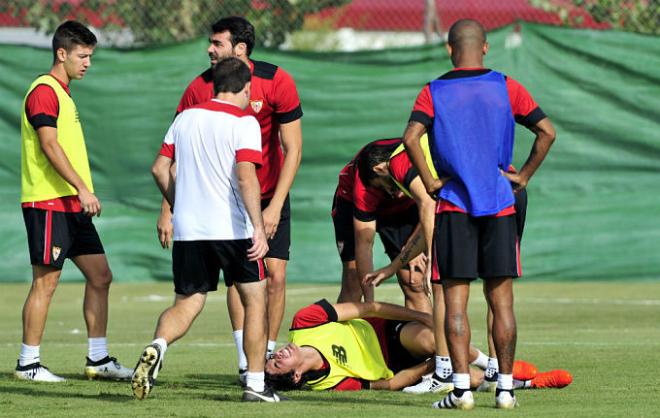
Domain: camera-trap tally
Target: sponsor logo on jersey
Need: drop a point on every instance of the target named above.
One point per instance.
(339, 353)
(256, 105)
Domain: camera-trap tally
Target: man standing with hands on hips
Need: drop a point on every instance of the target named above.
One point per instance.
(470, 114)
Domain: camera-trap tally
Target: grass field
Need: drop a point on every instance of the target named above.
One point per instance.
(606, 334)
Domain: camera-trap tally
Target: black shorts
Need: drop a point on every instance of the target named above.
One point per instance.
(396, 356)
(279, 246)
(196, 265)
(394, 231)
(55, 236)
(467, 247)
(521, 211)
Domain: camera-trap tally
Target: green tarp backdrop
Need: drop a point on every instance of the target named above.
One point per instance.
(594, 205)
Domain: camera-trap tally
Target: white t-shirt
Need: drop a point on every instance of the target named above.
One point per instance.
(207, 141)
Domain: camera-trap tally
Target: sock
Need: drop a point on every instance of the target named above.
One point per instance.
(522, 384)
(29, 355)
(242, 358)
(505, 381)
(462, 382)
(443, 367)
(270, 347)
(492, 369)
(97, 348)
(481, 361)
(162, 344)
(255, 380)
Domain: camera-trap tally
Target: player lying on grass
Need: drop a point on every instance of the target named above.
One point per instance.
(380, 346)
(352, 346)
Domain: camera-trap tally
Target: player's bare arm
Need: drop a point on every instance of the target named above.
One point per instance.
(411, 137)
(163, 177)
(356, 310)
(291, 137)
(545, 137)
(164, 225)
(51, 148)
(251, 194)
(405, 377)
(365, 233)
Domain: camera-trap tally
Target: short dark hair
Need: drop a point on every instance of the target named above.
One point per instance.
(370, 156)
(240, 29)
(466, 33)
(230, 75)
(70, 34)
(285, 381)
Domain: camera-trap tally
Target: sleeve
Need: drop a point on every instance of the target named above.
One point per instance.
(167, 148)
(187, 100)
(319, 313)
(351, 383)
(402, 169)
(423, 108)
(524, 108)
(365, 200)
(42, 107)
(248, 145)
(287, 103)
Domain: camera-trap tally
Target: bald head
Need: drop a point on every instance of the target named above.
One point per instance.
(467, 43)
(466, 35)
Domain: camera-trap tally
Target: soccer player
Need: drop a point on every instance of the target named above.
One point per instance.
(217, 222)
(274, 102)
(353, 346)
(58, 201)
(470, 114)
(358, 213)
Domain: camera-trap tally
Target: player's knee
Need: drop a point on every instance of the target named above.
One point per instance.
(102, 280)
(45, 286)
(415, 289)
(276, 282)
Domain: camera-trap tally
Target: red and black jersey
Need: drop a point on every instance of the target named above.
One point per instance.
(525, 110)
(273, 101)
(368, 202)
(42, 108)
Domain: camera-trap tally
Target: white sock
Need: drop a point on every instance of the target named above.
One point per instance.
(97, 348)
(162, 344)
(481, 361)
(505, 381)
(522, 384)
(270, 347)
(29, 355)
(255, 380)
(443, 367)
(462, 381)
(242, 358)
(493, 367)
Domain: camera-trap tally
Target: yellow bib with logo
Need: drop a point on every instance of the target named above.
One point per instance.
(424, 142)
(351, 348)
(39, 179)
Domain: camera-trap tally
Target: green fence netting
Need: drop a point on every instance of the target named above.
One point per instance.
(594, 206)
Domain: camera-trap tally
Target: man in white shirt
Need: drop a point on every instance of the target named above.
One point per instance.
(217, 222)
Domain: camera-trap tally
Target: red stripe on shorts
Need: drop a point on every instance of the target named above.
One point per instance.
(260, 265)
(435, 271)
(47, 236)
(518, 263)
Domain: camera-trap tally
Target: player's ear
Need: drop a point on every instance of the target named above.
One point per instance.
(240, 49)
(381, 169)
(449, 48)
(486, 47)
(297, 375)
(61, 54)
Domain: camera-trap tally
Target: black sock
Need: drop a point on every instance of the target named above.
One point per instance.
(497, 391)
(459, 392)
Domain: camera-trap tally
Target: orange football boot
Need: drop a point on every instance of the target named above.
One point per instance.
(523, 370)
(552, 379)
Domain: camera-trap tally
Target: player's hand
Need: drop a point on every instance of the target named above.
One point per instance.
(375, 278)
(165, 229)
(437, 185)
(259, 245)
(418, 264)
(89, 202)
(519, 182)
(271, 216)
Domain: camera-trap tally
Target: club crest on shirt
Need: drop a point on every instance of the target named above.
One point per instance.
(256, 105)
(56, 252)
